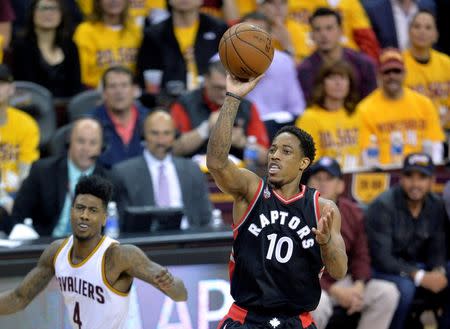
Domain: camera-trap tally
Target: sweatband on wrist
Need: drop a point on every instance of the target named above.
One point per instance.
(418, 277)
(239, 98)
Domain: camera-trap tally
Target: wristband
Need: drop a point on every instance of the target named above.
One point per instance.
(323, 244)
(419, 277)
(239, 98)
(203, 129)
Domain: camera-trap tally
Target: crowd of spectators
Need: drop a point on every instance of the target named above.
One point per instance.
(368, 79)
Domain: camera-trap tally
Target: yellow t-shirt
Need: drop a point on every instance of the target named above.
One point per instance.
(413, 115)
(299, 35)
(431, 79)
(186, 39)
(19, 141)
(335, 134)
(101, 46)
(246, 6)
(352, 13)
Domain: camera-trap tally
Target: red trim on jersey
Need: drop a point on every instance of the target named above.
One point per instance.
(231, 266)
(237, 313)
(249, 208)
(292, 199)
(317, 205)
(306, 319)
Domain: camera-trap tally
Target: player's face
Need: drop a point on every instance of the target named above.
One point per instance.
(113, 7)
(423, 32)
(326, 32)
(285, 160)
(215, 87)
(85, 143)
(159, 135)
(118, 92)
(330, 187)
(88, 215)
(336, 86)
(47, 15)
(416, 185)
(392, 80)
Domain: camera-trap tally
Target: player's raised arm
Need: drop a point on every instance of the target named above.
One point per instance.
(230, 179)
(17, 299)
(329, 238)
(135, 263)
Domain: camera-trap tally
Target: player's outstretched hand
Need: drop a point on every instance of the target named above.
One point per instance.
(323, 230)
(164, 280)
(241, 88)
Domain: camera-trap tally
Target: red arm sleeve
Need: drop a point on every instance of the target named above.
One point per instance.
(180, 118)
(257, 128)
(367, 42)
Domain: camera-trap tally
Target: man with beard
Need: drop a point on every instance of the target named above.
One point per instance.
(94, 272)
(395, 112)
(284, 233)
(405, 229)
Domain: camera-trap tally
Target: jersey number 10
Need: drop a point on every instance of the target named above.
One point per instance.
(277, 246)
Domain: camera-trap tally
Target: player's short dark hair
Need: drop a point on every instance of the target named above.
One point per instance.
(324, 11)
(96, 186)
(306, 141)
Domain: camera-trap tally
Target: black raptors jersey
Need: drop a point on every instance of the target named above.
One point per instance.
(276, 261)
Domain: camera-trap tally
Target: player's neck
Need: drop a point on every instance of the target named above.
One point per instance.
(288, 190)
(185, 18)
(83, 248)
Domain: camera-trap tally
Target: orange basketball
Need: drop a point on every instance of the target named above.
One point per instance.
(246, 50)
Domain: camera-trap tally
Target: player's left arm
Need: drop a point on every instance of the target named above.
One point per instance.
(135, 263)
(329, 238)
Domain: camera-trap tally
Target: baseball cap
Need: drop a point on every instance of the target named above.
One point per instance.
(420, 162)
(391, 58)
(327, 164)
(5, 74)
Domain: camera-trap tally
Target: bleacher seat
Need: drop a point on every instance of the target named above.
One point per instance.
(83, 103)
(59, 141)
(37, 101)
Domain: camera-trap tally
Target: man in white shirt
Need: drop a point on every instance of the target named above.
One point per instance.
(159, 179)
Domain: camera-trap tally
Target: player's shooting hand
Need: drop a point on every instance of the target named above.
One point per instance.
(323, 230)
(241, 88)
(164, 280)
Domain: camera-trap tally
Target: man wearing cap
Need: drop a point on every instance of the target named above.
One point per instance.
(19, 137)
(375, 299)
(394, 110)
(405, 229)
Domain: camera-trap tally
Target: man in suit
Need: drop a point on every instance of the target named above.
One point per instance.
(46, 194)
(156, 178)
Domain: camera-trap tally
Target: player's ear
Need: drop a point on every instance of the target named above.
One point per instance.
(304, 163)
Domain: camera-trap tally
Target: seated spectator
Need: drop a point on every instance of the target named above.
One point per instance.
(46, 194)
(223, 9)
(287, 35)
(391, 19)
(427, 70)
(46, 54)
(278, 95)
(196, 112)
(19, 137)
(376, 300)
(405, 230)
(109, 38)
(180, 46)
(357, 31)
(156, 177)
(120, 116)
(6, 18)
(396, 111)
(331, 119)
(326, 27)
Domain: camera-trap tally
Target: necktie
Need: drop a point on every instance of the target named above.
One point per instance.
(163, 188)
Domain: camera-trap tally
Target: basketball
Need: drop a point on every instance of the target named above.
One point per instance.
(246, 51)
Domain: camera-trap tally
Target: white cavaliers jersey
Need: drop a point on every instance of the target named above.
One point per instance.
(91, 302)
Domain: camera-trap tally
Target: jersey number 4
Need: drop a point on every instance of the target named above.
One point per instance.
(76, 315)
(277, 246)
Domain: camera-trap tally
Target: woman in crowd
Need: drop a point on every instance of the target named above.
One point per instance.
(331, 119)
(108, 38)
(46, 54)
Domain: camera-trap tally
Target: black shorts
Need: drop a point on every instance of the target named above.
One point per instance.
(239, 318)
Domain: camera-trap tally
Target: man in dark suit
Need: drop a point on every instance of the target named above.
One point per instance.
(157, 178)
(46, 194)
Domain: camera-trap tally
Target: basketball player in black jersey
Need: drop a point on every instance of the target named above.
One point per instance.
(284, 233)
